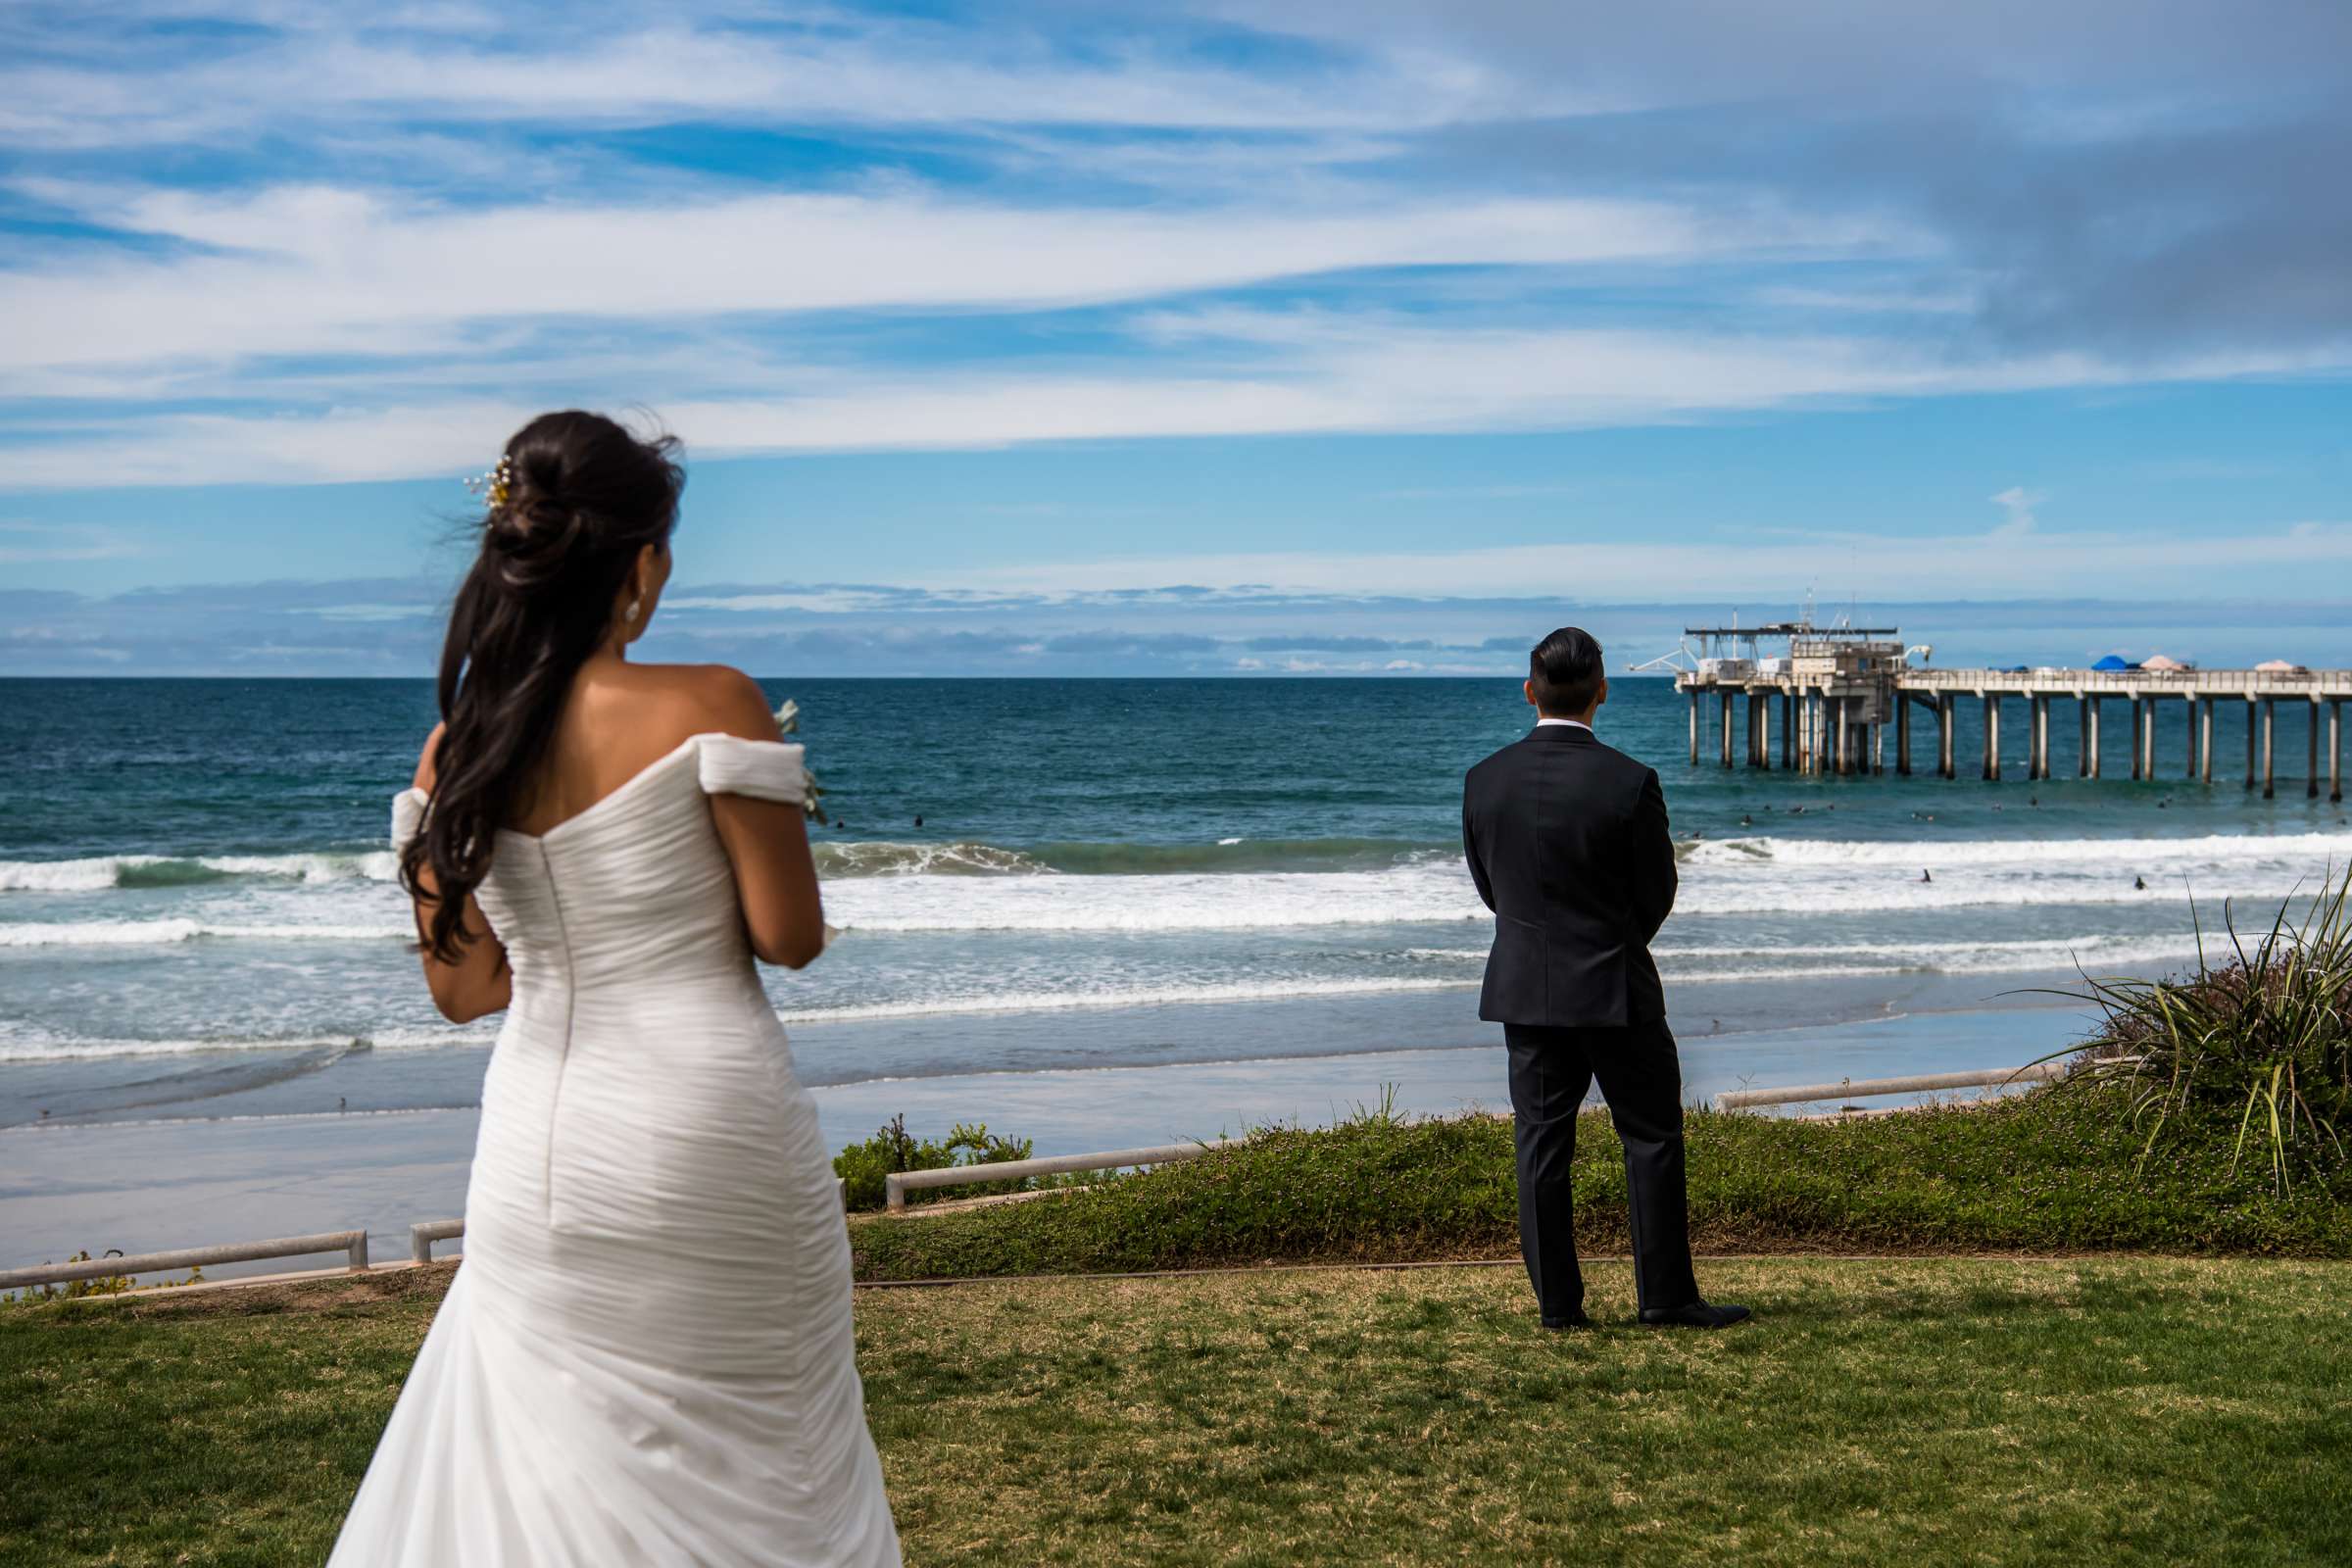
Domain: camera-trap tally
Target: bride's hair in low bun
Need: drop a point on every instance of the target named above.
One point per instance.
(573, 502)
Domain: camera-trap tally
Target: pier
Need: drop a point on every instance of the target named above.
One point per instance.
(1836, 692)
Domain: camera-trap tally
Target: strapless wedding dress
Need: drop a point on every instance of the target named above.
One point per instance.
(647, 1356)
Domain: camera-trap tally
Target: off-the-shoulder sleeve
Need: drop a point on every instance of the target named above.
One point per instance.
(407, 817)
(764, 771)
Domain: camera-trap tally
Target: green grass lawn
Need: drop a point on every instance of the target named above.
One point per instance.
(2048, 1172)
(1922, 1411)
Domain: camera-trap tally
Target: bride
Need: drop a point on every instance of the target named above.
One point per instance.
(647, 1357)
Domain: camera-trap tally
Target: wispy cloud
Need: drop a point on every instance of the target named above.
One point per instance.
(1354, 378)
(23, 543)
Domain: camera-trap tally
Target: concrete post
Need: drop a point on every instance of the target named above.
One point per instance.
(2038, 737)
(2094, 743)
(2310, 767)
(2188, 725)
(1903, 735)
(2205, 739)
(2140, 717)
(1992, 736)
(1878, 750)
(1761, 704)
(2253, 725)
(1788, 732)
(1694, 701)
(1727, 726)
(1944, 715)
(2269, 719)
(2148, 737)
(2335, 749)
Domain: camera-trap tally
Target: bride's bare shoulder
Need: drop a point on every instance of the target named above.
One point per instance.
(701, 698)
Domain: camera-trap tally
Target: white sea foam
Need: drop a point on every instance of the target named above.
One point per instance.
(1735, 877)
(2215, 848)
(175, 929)
(98, 872)
(1277, 990)
(2098, 953)
(326, 897)
(26, 1046)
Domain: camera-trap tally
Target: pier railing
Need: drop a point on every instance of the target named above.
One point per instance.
(354, 1244)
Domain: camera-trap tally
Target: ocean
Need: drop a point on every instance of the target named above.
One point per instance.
(1090, 912)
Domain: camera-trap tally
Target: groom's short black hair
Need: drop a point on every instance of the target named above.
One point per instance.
(1565, 670)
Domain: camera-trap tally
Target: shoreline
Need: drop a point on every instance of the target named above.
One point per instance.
(156, 1183)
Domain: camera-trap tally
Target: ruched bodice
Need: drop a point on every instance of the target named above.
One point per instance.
(647, 1356)
(636, 889)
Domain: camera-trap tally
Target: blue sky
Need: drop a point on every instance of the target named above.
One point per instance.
(1204, 339)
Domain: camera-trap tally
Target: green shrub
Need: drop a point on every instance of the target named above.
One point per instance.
(75, 1290)
(893, 1149)
(2261, 1042)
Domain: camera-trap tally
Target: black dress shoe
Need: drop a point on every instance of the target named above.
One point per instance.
(1574, 1320)
(1697, 1315)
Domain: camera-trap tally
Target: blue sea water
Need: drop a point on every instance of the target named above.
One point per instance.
(198, 925)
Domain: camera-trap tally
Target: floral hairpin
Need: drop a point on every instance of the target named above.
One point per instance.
(494, 486)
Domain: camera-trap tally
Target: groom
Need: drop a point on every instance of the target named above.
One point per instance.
(1567, 841)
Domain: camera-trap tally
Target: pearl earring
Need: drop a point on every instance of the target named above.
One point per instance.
(630, 614)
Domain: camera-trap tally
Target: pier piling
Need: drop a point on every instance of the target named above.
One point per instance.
(2269, 719)
(1840, 688)
(2335, 749)
(2310, 767)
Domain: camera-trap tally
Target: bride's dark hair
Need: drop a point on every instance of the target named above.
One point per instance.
(575, 501)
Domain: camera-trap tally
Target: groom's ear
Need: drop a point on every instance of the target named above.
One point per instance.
(1527, 689)
(1601, 696)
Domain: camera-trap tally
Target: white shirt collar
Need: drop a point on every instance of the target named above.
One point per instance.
(1573, 723)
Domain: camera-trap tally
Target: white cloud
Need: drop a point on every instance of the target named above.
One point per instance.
(1354, 377)
(1614, 560)
(2019, 503)
(23, 543)
(834, 68)
(321, 270)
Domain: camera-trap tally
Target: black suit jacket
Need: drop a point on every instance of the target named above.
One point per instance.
(1567, 841)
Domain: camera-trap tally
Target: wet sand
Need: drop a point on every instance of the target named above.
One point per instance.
(140, 1185)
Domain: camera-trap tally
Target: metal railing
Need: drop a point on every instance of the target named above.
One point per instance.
(1919, 1083)
(352, 1243)
(425, 1232)
(897, 1184)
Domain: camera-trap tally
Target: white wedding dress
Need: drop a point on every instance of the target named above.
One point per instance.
(647, 1356)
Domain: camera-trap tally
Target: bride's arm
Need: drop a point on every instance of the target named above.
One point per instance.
(766, 841)
(479, 982)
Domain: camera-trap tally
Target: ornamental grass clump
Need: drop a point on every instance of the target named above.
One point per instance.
(864, 1166)
(2263, 1040)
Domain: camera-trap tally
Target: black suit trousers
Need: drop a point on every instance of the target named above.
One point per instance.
(1641, 1079)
